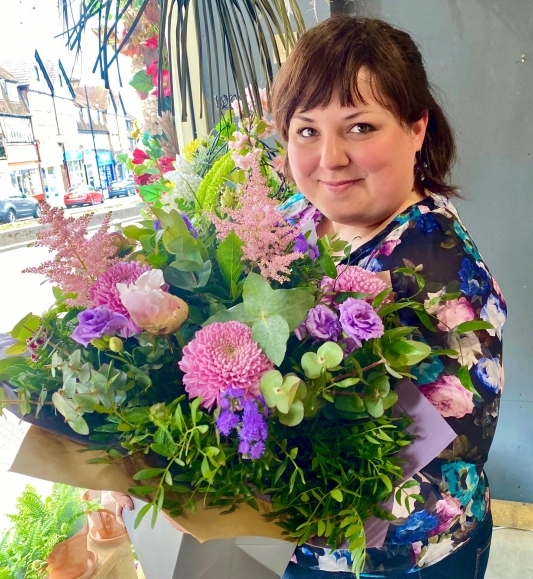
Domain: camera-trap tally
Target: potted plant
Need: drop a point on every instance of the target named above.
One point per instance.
(48, 537)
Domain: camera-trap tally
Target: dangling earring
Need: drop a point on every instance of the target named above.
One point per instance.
(420, 167)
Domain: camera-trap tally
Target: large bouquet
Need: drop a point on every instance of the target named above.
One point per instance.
(224, 343)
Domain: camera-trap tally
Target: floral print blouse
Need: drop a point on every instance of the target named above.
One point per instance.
(430, 238)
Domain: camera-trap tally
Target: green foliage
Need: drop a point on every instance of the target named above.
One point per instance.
(209, 190)
(37, 526)
(272, 314)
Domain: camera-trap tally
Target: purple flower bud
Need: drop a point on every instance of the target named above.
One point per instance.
(244, 447)
(258, 449)
(359, 321)
(323, 324)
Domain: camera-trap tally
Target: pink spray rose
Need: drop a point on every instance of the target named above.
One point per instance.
(151, 308)
(449, 397)
(453, 313)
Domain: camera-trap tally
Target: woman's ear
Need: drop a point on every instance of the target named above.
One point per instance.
(418, 130)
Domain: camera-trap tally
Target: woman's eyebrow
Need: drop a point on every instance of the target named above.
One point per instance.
(347, 118)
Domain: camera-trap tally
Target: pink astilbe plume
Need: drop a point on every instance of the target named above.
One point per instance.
(79, 259)
(266, 236)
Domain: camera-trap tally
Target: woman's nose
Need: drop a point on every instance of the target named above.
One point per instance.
(334, 153)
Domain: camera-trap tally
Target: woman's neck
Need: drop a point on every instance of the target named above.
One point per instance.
(359, 234)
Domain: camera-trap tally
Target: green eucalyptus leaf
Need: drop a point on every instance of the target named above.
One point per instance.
(79, 425)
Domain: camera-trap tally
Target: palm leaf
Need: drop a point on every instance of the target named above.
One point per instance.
(236, 43)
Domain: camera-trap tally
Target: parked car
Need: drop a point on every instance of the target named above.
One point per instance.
(16, 205)
(125, 187)
(83, 195)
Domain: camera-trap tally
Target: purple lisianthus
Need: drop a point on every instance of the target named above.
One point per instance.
(359, 321)
(323, 324)
(300, 243)
(97, 322)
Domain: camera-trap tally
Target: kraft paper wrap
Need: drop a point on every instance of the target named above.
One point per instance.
(50, 457)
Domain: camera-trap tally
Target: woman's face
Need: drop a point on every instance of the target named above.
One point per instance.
(355, 164)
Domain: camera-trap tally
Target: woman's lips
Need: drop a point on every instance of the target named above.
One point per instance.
(339, 186)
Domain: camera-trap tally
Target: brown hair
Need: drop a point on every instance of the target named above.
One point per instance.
(327, 60)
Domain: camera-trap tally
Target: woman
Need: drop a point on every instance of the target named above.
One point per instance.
(369, 146)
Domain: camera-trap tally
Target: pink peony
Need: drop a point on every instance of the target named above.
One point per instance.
(453, 313)
(449, 397)
(222, 356)
(150, 307)
(104, 291)
(352, 278)
(446, 510)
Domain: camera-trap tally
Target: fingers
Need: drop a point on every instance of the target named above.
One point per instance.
(122, 502)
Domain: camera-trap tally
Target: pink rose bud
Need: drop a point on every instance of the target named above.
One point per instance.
(151, 308)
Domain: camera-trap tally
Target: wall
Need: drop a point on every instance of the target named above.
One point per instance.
(473, 50)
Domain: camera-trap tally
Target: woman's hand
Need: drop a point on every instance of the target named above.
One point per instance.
(122, 502)
(125, 502)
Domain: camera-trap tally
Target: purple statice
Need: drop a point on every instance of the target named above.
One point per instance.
(192, 230)
(359, 321)
(323, 324)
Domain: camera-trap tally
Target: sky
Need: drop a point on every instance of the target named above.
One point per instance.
(29, 24)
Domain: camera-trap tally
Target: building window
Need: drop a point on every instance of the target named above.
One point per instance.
(27, 181)
(36, 71)
(12, 92)
(75, 173)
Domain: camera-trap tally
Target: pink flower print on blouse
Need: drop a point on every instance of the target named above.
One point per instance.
(449, 397)
(453, 313)
(446, 510)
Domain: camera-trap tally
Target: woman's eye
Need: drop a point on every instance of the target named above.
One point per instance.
(362, 128)
(306, 132)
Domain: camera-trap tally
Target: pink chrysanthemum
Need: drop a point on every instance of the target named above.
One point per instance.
(352, 278)
(104, 290)
(222, 356)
